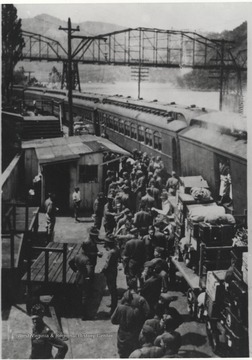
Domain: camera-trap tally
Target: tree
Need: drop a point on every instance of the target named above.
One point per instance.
(12, 45)
(19, 76)
(54, 76)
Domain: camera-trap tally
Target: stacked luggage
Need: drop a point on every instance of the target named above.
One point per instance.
(226, 304)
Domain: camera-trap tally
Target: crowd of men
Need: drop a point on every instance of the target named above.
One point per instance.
(137, 216)
(138, 223)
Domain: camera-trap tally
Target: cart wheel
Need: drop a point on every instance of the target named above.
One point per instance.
(190, 302)
(213, 336)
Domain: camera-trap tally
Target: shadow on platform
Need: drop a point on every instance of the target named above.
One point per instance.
(193, 339)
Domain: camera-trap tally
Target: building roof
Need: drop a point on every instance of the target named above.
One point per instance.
(71, 148)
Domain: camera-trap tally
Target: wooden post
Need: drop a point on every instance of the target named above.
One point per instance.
(29, 253)
(26, 217)
(12, 258)
(64, 262)
(46, 265)
(14, 217)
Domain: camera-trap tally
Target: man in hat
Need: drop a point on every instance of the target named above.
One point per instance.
(110, 268)
(166, 207)
(169, 233)
(147, 201)
(152, 286)
(98, 208)
(109, 222)
(129, 318)
(133, 259)
(110, 178)
(148, 350)
(172, 184)
(121, 219)
(51, 210)
(149, 243)
(155, 193)
(127, 198)
(169, 333)
(142, 219)
(141, 187)
(165, 300)
(123, 234)
(76, 203)
(43, 339)
(171, 344)
(155, 322)
(163, 269)
(91, 246)
(83, 265)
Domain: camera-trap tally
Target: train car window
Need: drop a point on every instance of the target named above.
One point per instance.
(133, 131)
(127, 128)
(148, 137)
(157, 141)
(88, 173)
(140, 133)
(121, 126)
(116, 124)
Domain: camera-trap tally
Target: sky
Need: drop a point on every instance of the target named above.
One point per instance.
(205, 16)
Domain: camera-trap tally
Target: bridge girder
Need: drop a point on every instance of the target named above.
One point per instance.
(145, 46)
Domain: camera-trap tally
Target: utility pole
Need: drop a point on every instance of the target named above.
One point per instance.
(69, 31)
(139, 70)
(221, 75)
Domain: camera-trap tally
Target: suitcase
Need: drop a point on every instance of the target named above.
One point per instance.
(215, 285)
(237, 345)
(213, 235)
(233, 323)
(237, 256)
(187, 182)
(194, 228)
(238, 292)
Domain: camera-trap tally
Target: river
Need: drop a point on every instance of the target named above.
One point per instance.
(161, 92)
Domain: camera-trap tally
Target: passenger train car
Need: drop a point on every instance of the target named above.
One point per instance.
(190, 140)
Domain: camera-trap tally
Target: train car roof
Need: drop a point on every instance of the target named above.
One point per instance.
(229, 120)
(217, 140)
(88, 103)
(188, 111)
(147, 118)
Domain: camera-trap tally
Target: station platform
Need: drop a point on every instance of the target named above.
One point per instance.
(96, 338)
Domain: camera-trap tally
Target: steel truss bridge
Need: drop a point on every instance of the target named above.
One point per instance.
(140, 46)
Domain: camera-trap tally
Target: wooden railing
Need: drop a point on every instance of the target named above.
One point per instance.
(9, 228)
(46, 251)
